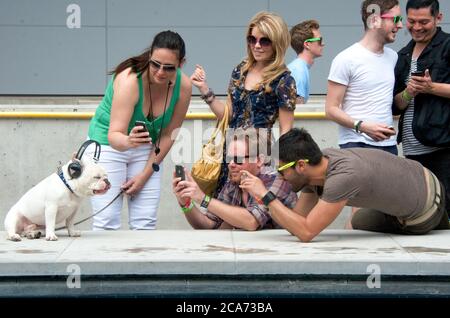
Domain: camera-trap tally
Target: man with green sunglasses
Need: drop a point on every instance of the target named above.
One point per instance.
(307, 42)
(331, 179)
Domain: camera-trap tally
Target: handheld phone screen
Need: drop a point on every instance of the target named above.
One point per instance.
(179, 172)
(418, 73)
(141, 124)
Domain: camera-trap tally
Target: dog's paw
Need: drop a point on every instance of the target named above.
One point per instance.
(75, 233)
(51, 237)
(15, 238)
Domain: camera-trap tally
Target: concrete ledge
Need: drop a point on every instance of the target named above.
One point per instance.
(189, 252)
(169, 262)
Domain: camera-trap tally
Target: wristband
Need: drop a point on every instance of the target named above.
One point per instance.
(188, 207)
(357, 126)
(406, 97)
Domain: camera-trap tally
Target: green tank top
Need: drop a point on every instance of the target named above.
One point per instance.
(99, 125)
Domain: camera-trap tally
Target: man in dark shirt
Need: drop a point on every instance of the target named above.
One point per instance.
(422, 91)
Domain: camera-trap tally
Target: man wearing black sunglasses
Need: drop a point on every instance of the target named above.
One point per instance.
(234, 207)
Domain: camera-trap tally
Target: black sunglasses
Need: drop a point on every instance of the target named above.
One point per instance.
(264, 42)
(239, 160)
(165, 67)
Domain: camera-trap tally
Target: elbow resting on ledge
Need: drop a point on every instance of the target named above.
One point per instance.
(305, 237)
(252, 226)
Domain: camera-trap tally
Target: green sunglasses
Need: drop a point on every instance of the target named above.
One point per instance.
(290, 164)
(320, 40)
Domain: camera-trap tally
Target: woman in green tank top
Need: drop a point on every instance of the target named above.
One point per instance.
(148, 88)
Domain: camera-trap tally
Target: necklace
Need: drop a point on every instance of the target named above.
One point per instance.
(155, 165)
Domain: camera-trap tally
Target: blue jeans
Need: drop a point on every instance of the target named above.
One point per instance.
(391, 149)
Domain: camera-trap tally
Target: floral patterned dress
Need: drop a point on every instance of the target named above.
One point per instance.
(257, 108)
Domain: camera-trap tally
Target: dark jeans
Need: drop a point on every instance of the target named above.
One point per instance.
(392, 149)
(377, 221)
(438, 162)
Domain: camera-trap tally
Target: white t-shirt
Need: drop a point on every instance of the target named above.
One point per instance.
(370, 79)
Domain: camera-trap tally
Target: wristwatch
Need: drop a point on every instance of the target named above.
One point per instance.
(205, 202)
(357, 126)
(269, 197)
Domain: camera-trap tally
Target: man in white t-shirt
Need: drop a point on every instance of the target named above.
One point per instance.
(361, 81)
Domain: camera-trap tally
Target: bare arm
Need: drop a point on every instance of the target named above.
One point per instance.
(306, 228)
(333, 110)
(126, 95)
(235, 216)
(319, 214)
(286, 120)
(426, 86)
(198, 79)
(306, 203)
(334, 99)
(195, 218)
(440, 89)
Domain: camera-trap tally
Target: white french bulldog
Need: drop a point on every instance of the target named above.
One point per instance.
(54, 200)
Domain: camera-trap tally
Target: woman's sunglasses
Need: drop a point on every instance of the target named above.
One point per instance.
(165, 67)
(264, 42)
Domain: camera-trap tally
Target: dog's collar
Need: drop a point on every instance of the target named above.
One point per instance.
(61, 176)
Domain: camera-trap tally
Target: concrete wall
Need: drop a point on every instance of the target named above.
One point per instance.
(40, 55)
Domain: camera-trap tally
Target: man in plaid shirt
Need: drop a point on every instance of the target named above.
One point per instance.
(235, 207)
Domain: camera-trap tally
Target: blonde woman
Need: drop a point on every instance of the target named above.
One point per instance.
(261, 89)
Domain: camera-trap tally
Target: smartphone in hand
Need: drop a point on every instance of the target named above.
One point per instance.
(141, 124)
(179, 172)
(418, 73)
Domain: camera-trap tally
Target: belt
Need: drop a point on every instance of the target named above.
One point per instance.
(433, 201)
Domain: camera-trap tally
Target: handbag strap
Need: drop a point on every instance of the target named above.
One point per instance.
(221, 125)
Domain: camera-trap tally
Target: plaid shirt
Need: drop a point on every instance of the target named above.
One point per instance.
(231, 194)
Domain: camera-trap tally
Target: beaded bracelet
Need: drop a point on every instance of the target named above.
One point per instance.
(208, 97)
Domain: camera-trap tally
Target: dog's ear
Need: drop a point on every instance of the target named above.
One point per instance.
(75, 168)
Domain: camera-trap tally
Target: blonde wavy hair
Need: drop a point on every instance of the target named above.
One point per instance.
(272, 26)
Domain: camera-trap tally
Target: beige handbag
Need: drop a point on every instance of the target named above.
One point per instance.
(206, 170)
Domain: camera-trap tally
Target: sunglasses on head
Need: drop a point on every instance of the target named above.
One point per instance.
(165, 67)
(239, 160)
(264, 42)
(395, 18)
(315, 40)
